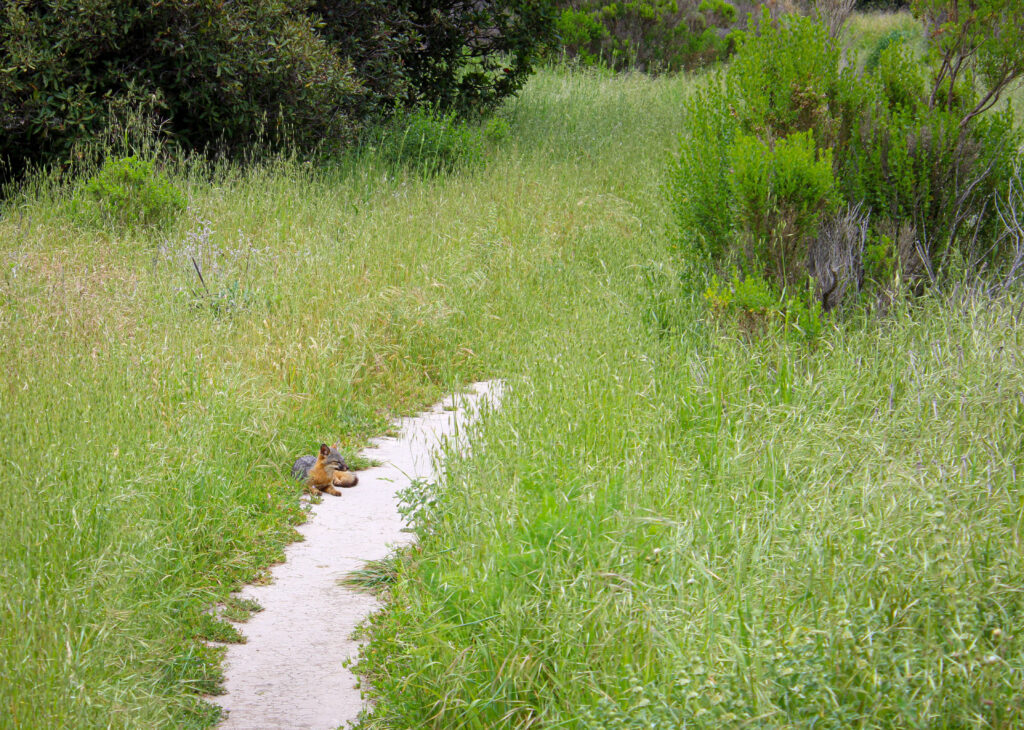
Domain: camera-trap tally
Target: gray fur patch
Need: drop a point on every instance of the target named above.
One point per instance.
(300, 470)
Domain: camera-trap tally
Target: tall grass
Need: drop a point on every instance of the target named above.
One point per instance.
(149, 417)
(675, 522)
(700, 530)
(668, 523)
(862, 31)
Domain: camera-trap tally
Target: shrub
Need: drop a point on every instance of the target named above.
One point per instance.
(581, 35)
(785, 77)
(754, 303)
(218, 75)
(753, 176)
(374, 36)
(650, 35)
(917, 164)
(895, 37)
(130, 192)
(469, 56)
(448, 54)
(890, 5)
(780, 141)
(780, 193)
(698, 177)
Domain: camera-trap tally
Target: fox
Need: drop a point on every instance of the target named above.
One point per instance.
(324, 472)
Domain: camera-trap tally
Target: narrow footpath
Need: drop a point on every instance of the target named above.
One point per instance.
(289, 673)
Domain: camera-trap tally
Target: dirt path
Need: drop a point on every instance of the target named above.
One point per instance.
(289, 673)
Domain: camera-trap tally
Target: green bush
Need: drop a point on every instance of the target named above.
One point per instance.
(448, 54)
(754, 176)
(780, 194)
(785, 77)
(469, 56)
(753, 304)
(130, 192)
(919, 164)
(781, 140)
(214, 75)
(374, 36)
(895, 37)
(877, 5)
(224, 77)
(699, 175)
(900, 78)
(650, 35)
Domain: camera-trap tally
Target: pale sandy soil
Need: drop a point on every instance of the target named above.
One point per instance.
(289, 673)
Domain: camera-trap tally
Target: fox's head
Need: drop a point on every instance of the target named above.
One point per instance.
(334, 463)
(332, 458)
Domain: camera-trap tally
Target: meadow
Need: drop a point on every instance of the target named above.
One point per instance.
(669, 523)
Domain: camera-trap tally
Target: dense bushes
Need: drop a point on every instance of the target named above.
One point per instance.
(374, 35)
(453, 55)
(471, 55)
(882, 4)
(794, 166)
(213, 75)
(652, 35)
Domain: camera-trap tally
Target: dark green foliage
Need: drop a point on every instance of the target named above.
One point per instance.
(919, 164)
(375, 36)
(217, 75)
(471, 55)
(225, 77)
(876, 5)
(130, 192)
(650, 35)
(448, 54)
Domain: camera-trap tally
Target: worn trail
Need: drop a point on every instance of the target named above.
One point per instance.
(289, 673)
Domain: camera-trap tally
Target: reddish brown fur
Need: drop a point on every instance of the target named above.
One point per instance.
(325, 478)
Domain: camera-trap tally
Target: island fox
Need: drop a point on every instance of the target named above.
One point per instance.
(325, 472)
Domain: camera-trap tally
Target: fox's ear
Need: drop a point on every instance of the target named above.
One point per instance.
(324, 450)
(336, 445)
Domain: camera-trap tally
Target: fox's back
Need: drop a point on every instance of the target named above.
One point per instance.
(300, 470)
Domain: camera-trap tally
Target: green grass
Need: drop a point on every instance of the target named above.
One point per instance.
(149, 419)
(673, 523)
(863, 31)
(667, 522)
(700, 530)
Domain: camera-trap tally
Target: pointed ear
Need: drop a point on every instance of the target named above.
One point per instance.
(324, 450)
(336, 445)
